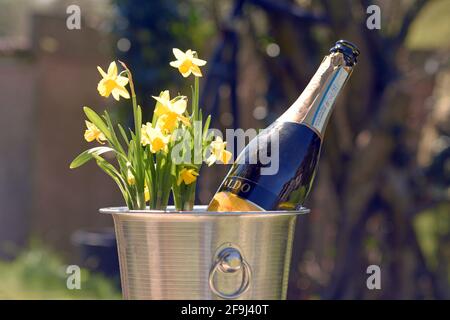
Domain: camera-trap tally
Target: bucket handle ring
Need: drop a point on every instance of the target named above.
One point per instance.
(229, 260)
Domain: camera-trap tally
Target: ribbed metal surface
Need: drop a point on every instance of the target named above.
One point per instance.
(170, 255)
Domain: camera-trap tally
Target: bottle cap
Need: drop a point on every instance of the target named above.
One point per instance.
(348, 49)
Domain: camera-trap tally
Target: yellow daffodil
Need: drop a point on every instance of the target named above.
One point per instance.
(169, 112)
(93, 133)
(187, 176)
(146, 194)
(130, 178)
(187, 62)
(218, 152)
(112, 83)
(154, 137)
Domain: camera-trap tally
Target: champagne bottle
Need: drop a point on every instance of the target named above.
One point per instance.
(299, 132)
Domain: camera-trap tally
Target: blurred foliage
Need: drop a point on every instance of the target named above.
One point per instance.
(431, 29)
(38, 273)
(153, 29)
(432, 226)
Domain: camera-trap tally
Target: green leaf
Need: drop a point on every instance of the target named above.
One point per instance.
(150, 162)
(196, 96)
(192, 103)
(114, 141)
(206, 127)
(124, 134)
(210, 136)
(112, 172)
(88, 155)
(139, 117)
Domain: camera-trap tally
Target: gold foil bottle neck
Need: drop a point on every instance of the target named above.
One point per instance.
(301, 107)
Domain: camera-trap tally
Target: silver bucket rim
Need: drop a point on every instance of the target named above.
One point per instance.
(199, 211)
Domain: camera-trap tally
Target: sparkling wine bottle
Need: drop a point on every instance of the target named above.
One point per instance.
(294, 140)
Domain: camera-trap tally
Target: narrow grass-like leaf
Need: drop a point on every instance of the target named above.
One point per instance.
(124, 135)
(206, 127)
(88, 155)
(112, 172)
(114, 141)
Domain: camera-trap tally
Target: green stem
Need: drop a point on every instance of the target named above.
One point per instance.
(184, 200)
(140, 176)
(176, 196)
(196, 95)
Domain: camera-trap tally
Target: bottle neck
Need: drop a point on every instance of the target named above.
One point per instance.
(314, 106)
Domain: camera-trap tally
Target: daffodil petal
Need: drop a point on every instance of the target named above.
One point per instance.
(211, 160)
(175, 64)
(161, 100)
(102, 89)
(160, 110)
(123, 92)
(103, 73)
(189, 53)
(115, 94)
(196, 70)
(179, 55)
(88, 136)
(161, 105)
(198, 62)
(185, 121)
(165, 94)
(218, 152)
(179, 106)
(189, 176)
(226, 156)
(99, 140)
(122, 81)
(146, 194)
(112, 70)
(185, 74)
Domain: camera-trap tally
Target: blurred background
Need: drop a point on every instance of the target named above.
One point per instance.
(382, 191)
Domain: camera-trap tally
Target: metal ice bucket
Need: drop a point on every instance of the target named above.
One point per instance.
(204, 255)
